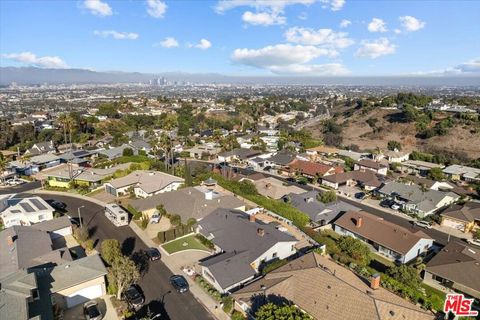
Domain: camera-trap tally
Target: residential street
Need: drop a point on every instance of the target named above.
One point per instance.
(159, 295)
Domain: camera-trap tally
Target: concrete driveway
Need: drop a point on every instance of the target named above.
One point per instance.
(104, 305)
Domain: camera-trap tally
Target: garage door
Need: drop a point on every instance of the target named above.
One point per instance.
(453, 224)
(61, 232)
(84, 295)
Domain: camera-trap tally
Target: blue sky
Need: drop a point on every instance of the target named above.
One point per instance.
(243, 37)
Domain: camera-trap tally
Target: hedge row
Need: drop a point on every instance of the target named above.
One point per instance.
(172, 234)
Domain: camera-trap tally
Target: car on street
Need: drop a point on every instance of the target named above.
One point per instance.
(423, 224)
(267, 168)
(179, 283)
(57, 205)
(134, 297)
(155, 218)
(360, 195)
(395, 206)
(153, 254)
(475, 242)
(15, 182)
(91, 311)
(387, 203)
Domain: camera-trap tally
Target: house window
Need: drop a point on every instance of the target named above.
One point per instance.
(274, 255)
(41, 217)
(35, 294)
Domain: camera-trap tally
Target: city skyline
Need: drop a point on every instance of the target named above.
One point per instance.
(244, 38)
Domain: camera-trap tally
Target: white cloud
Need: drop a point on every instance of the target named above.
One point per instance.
(273, 5)
(263, 18)
(345, 23)
(156, 8)
(324, 37)
(288, 58)
(376, 48)
(377, 25)
(410, 23)
(98, 8)
(203, 44)
(169, 42)
(397, 31)
(469, 68)
(31, 59)
(334, 5)
(116, 35)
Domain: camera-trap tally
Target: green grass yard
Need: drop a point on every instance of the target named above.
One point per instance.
(436, 296)
(186, 243)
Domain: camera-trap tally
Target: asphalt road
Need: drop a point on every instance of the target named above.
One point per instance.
(159, 295)
(21, 188)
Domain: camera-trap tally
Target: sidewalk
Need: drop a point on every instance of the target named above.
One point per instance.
(197, 292)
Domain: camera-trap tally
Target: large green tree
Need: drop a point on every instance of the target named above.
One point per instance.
(272, 311)
(110, 250)
(123, 273)
(405, 274)
(356, 249)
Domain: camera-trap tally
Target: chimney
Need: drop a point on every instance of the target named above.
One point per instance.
(358, 222)
(209, 195)
(260, 232)
(10, 240)
(252, 218)
(375, 281)
(268, 186)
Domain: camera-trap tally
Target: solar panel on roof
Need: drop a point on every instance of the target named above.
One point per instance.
(27, 207)
(38, 204)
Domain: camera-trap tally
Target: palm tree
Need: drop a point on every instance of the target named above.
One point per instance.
(70, 124)
(3, 166)
(62, 119)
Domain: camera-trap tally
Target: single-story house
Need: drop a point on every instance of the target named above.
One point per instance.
(326, 290)
(366, 164)
(319, 212)
(41, 148)
(416, 200)
(462, 217)
(192, 202)
(244, 245)
(365, 179)
(204, 150)
(80, 157)
(238, 154)
(459, 172)
(35, 164)
(311, 169)
(144, 183)
(116, 152)
(280, 159)
(25, 211)
(421, 168)
(388, 239)
(395, 156)
(455, 268)
(274, 188)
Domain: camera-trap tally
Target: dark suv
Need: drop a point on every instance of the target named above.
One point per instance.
(179, 283)
(134, 297)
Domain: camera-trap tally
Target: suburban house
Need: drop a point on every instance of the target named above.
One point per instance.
(416, 200)
(319, 212)
(25, 211)
(274, 188)
(41, 148)
(394, 156)
(366, 164)
(204, 151)
(326, 290)
(458, 172)
(24, 247)
(144, 183)
(116, 152)
(388, 239)
(455, 268)
(280, 159)
(462, 217)
(35, 293)
(310, 169)
(238, 154)
(421, 168)
(80, 157)
(192, 202)
(244, 245)
(35, 164)
(64, 175)
(365, 179)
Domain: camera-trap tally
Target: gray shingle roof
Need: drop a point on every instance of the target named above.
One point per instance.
(282, 158)
(148, 181)
(240, 240)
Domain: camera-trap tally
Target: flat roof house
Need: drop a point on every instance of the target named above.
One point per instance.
(455, 268)
(459, 172)
(26, 211)
(326, 290)
(244, 246)
(366, 164)
(144, 183)
(274, 188)
(390, 240)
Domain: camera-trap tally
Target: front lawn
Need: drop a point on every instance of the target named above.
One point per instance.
(437, 297)
(185, 243)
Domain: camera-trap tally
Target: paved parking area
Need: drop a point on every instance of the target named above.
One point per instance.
(104, 304)
(154, 228)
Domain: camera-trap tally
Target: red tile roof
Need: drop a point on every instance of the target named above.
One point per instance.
(313, 168)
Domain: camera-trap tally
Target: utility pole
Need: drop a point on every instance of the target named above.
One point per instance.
(80, 216)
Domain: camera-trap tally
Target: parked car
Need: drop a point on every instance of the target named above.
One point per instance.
(387, 203)
(267, 168)
(91, 311)
(395, 206)
(360, 195)
(155, 218)
(475, 242)
(57, 205)
(134, 296)
(422, 224)
(153, 254)
(179, 283)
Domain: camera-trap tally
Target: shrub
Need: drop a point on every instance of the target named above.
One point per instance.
(237, 315)
(136, 214)
(227, 304)
(88, 245)
(273, 265)
(81, 234)
(207, 243)
(355, 249)
(175, 219)
(144, 222)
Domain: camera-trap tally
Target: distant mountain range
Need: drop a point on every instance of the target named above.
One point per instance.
(33, 76)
